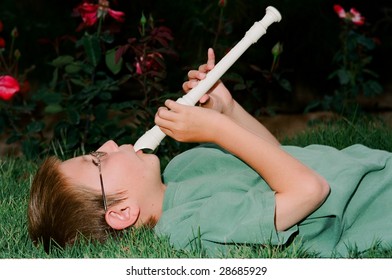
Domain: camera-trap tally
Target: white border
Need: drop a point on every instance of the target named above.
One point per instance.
(106, 269)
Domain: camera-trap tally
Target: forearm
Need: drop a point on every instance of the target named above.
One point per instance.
(237, 113)
(266, 158)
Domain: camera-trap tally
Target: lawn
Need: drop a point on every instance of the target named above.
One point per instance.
(16, 175)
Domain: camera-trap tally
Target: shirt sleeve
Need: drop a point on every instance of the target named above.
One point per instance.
(225, 218)
(241, 219)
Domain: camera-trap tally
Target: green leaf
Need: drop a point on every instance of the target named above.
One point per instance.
(105, 95)
(238, 87)
(53, 108)
(88, 68)
(49, 97)
(92, 48)
(110, 60)
(73, 68)
(62, 61)
(74, 116)
(35, 126)
(123, 105)
(78, 82)
(344, 76)
(13, 138)
(366, 42)
(372, 88)
(107, 37)
(100, 113)
(55, 78)
(30, 148)
(284, 83)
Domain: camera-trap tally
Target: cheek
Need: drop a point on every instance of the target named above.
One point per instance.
(145, 172)
(131, 173)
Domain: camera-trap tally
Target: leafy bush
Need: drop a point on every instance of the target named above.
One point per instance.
(103, 74)
(87, 100)
(352, 61)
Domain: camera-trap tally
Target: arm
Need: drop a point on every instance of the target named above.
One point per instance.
(221, 120)
(299, 190)
(220, 99)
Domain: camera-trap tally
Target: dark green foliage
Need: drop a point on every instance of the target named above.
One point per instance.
(107, 80)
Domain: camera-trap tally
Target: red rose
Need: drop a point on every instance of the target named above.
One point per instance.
(8, 87)
(2, 43)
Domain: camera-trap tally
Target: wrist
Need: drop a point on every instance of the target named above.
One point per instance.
(221, 128)
(229, 108)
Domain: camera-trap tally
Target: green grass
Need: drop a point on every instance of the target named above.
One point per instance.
(16, 176)
(367, 131)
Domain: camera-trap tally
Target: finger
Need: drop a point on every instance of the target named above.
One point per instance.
(161, 113)
(210, 62)
(164, 126)
(204, 68)
(163, 117)
(172, 105)
(193, 74)
(204, 99)
(165, 130)
(211, 58)
(165, 112)
(160, 109)
(187, 86)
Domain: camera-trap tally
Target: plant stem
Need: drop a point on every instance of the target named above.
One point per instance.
(219, 28)
(4, 63)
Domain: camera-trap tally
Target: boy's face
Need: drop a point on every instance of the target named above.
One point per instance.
(123, 170)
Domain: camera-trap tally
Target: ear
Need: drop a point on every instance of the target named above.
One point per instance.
(122, 216)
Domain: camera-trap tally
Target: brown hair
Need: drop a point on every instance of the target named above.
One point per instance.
(59, 212)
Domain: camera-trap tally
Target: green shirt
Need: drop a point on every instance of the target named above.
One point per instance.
(214, 200)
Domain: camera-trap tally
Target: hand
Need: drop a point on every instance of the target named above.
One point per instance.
(187, 123)
(218, 97)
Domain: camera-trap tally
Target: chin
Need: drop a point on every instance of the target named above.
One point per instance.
(154, 160)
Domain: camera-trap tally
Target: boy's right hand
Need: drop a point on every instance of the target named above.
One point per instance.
(218, 97)
(186, 123)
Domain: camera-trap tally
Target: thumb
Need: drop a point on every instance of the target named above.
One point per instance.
(204, 99)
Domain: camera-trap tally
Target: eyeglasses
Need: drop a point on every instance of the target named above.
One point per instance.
(98, 157)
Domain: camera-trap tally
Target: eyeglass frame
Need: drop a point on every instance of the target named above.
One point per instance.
(98, 155)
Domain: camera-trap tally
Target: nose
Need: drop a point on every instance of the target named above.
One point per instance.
(109, 146)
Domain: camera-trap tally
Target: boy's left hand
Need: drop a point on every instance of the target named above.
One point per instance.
(218, 97)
